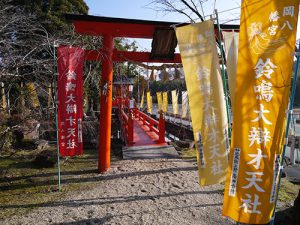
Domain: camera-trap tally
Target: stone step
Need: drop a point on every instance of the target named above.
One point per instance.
(149, 152)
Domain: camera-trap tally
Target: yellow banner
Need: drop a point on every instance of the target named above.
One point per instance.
(34, 100)
(231, 42)
(159, 100)
(149, 102)
(206, 99)
(263, 80)
(175, 102)
(142, 101)
(165, 101)
(185, 104)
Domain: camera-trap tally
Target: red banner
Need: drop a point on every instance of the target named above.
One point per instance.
(70, 97)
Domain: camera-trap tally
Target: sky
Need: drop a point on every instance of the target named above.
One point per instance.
(229, 12)
(143, 9)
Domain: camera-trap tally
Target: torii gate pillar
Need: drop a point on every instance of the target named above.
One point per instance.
(118, 27)
(106, 104)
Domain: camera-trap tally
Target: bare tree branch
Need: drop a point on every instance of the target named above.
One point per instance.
(184, 7)
(193, 10)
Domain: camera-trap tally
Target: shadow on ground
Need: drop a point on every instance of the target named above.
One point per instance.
(109, 200)
(107, 219)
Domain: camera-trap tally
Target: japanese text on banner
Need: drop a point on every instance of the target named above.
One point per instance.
(265, 61)
(70, 92)
(206, 99)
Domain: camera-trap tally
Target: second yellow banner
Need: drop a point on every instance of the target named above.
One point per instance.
(206, 99)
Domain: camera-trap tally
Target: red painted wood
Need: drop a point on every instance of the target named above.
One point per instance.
(130, 129)
(121, 56)
(106, 105)
(110, 28)
(118, 27)
(143, 136)
(154, 126)
(162, 128)
(147, 121)
(141, 129)
(129, 30)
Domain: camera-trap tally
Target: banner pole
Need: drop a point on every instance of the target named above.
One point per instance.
(291, 106)
(56, 111)
(224, 80)
(223, 76)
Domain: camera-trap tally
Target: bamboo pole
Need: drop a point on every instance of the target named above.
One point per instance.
(56, 119)
(290, 112)
(223, 76)
(224, 80)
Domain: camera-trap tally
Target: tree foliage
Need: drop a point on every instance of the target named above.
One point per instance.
(128, 69)
(29, 30)
(51, 12)
(25, 54)
(27, 37)
(27, 47)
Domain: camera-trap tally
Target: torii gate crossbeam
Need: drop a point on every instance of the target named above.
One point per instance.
(110, 28)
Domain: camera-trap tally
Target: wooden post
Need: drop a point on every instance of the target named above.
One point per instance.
(106, 105)
(130, 128)
(162, 128)
(292, 150)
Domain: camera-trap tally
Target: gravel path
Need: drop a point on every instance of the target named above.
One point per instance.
(156, 191)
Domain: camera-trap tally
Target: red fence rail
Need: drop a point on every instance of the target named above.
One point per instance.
(126, 115)
(117, 102)
(126, 121)
(158, 127)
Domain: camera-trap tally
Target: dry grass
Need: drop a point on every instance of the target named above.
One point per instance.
(24, 186)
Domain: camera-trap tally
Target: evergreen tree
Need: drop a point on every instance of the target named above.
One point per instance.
(51, 12)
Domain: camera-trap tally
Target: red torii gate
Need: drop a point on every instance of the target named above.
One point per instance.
(109, 28)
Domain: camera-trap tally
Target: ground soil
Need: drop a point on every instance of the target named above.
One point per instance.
(154, 191)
